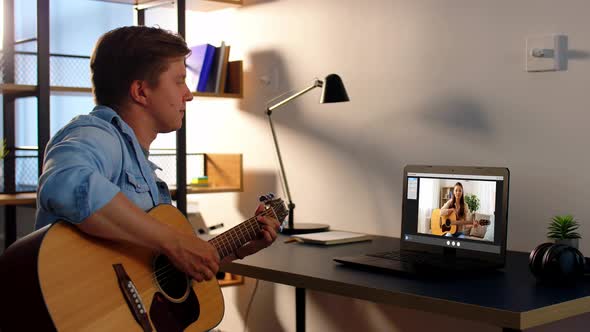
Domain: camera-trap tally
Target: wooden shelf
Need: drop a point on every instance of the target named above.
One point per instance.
(217, 95)
(11, 89)
(210, 5)
(196, 5)
(234, 85)
(224, 172)
(18, 199)
(231, 280)
(205, 190)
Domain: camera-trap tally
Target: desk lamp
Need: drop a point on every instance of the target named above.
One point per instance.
(333, 91)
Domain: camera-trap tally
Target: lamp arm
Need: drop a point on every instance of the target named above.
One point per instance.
(276, 143)
(316, 84)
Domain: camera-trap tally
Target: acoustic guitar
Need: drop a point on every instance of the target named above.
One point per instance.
(59, 278)
(441, 225)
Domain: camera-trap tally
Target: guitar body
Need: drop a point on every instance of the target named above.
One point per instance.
(59, 278)
(441, 225)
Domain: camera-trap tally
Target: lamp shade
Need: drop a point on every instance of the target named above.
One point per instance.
(333, 90)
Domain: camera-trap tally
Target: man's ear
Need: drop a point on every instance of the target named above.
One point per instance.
(137, 92)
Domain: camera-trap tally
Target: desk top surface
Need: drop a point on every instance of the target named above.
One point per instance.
(510, 297)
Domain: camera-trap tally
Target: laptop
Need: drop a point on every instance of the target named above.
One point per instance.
(436, 238)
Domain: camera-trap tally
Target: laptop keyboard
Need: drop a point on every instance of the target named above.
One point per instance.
(429, 259)
(408, 256)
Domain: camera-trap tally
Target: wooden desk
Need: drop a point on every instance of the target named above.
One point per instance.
(10, 201)
(18, 199)
(510, 299)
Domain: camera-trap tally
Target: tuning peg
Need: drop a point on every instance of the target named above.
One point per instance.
(262, 198)
(270, 195)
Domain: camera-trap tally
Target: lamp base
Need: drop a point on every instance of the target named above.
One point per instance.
(304, 228)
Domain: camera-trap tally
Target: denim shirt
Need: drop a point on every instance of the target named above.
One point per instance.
(88, 162)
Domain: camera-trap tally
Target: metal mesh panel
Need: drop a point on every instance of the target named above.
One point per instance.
(25, 69)
(69, 71)
(65, 70)
(26, 169)
(26, 173)
(195, 166)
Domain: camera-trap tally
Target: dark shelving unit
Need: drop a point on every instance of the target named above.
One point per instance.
(226, 169)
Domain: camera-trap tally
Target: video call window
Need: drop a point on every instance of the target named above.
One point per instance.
(439, 216)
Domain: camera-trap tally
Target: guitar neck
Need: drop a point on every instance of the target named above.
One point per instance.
(229, 241)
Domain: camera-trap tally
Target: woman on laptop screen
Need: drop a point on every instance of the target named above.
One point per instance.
(456, 213)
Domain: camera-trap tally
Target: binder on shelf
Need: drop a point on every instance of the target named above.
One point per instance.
(199, 65)
(222, 77)
(213, 79)
(233, 79)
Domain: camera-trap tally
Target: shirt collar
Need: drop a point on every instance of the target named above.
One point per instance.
(108, 114)
(153, 165)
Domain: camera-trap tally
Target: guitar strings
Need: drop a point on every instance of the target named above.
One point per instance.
(168, 268)
(219, 243)
(166, 273)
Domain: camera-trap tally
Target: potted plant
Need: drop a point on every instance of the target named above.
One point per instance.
(3, 149)
(472, 202)
(3, 153)
(562, 229)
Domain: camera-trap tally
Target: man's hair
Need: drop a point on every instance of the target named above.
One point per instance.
(131, 53)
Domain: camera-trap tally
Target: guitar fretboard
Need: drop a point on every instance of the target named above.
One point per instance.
(229, 241)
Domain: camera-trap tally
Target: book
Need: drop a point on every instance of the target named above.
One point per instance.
(198, 66)
(213, 79)
(332, 237)
(222, 77)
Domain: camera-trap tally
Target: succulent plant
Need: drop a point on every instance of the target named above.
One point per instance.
(563, 227)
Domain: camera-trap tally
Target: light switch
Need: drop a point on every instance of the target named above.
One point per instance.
(546, 53)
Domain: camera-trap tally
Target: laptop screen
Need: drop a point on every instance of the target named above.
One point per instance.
(461, 208)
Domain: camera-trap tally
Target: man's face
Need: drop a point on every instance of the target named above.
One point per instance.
(167, 100)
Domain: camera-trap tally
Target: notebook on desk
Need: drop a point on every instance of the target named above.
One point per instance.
(436, 233)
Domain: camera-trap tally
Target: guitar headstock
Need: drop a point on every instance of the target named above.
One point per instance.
(277, 205)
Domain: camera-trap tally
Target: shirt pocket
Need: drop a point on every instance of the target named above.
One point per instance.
(136, 182)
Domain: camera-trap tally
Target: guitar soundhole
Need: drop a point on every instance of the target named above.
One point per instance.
(173, 283)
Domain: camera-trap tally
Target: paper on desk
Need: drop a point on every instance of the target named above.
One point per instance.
(332, 237)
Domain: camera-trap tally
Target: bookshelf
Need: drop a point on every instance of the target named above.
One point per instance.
(225, 173)
(234, 90)
(16, 90)
(41, 84)
(196, 5)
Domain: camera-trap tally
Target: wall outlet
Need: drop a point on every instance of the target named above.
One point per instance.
(546, 53)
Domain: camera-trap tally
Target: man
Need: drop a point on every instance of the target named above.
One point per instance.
(96, 172)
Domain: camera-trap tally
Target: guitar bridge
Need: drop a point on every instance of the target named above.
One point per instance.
(132, 298)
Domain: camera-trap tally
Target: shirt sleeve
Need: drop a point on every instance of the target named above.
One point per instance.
(77, 170)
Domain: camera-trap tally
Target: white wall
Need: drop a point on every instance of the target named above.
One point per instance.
(430, 81)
